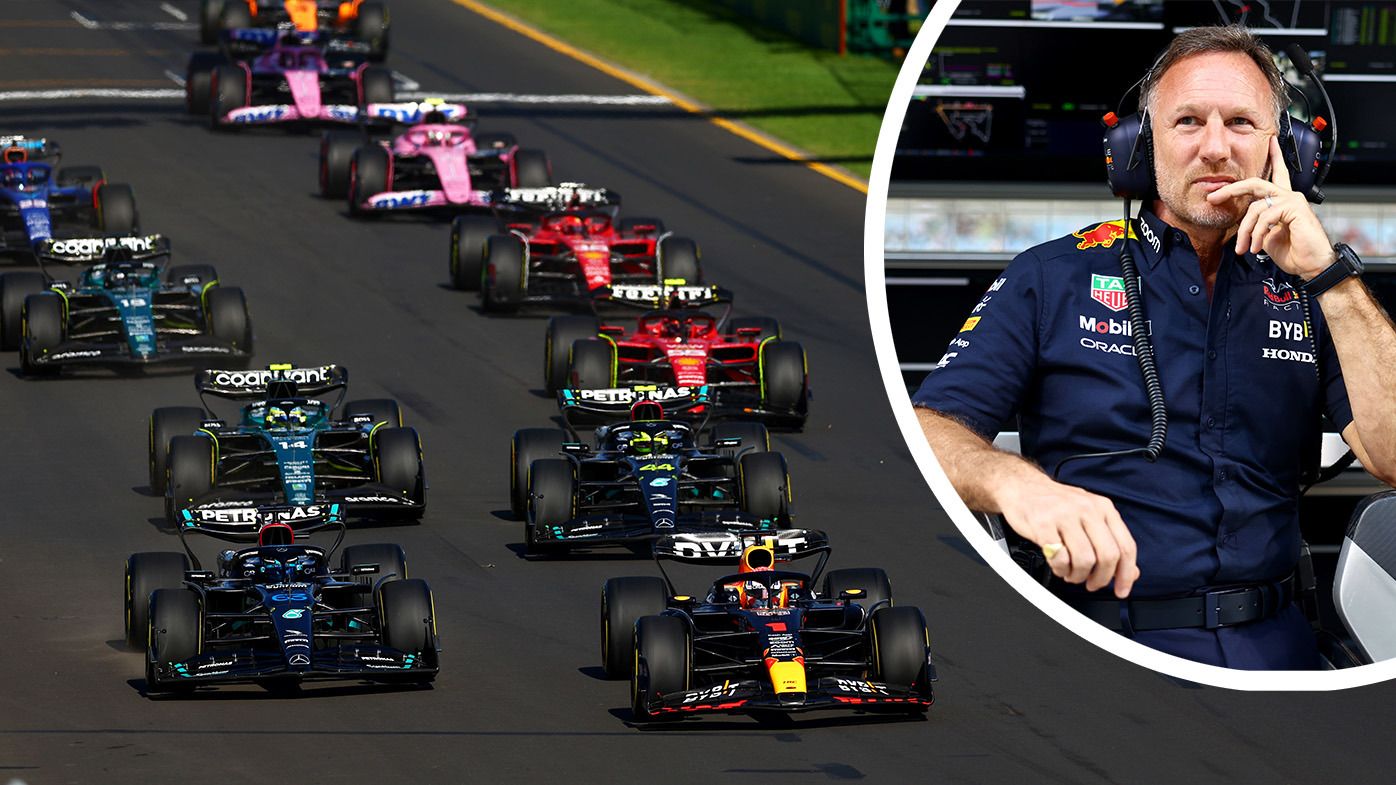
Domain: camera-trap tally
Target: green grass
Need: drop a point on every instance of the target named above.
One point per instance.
(828, 105)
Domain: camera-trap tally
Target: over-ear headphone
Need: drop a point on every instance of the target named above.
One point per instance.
(1129, 145)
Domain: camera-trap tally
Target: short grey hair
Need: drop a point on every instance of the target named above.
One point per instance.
(1207, 40)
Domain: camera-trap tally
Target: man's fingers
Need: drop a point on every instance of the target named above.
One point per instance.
(1247, 226)
(1107, 553)
(1279, 173)
(1127, 568)
(1078, 545)
(1253, 187)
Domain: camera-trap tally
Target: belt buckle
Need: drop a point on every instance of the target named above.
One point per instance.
(1211, 608)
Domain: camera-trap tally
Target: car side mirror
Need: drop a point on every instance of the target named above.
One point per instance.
(852, 594)
(363, 569)
(735, 442)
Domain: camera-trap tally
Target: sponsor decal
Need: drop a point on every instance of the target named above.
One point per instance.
(781, 645)
(945, 360)
(861, 687)
(74, 354)
(656, 292)
(722, 690)
(1101, 235)
(287, 586)
(1107, 347)
(258, 114)
(657, 467)
(294, 613)
(628, 395)
(695, 548)
(400, 200)
(206, 349)
(1150, 236)
(661, 482)
(254, 379)
(981, 304)
(970, 324)
(1279, 296)
(960, 343)
(664, 523)
(1290, 331)
(1111, 326)
(92, 246)
(1286, 354)
(299, 659)
(33, 204)
(372, 500)
(1109, 291)
(295, 596)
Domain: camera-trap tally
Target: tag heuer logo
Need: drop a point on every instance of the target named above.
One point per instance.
(1109, 291)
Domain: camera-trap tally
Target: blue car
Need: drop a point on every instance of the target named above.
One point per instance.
(39, 201)
(128, 310)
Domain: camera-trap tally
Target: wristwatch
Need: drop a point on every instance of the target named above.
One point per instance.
(1346, 266)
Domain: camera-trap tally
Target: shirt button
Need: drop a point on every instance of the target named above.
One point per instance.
(1194, 289)
(1221, 476)
(1212, 355)
(1211, 423)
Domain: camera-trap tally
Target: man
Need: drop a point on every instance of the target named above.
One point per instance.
(1251, 349)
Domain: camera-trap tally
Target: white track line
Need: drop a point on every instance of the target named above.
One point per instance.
(405, 83)
(518, 98)
(93, 24)
(98, 92)
(174, 77)
(175, 12)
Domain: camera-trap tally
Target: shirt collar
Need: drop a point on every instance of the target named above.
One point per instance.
(1169, 238)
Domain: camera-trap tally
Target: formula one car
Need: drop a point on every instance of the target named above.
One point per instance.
(279, 612)
(128, 310)
(325, 81)
(366, 22)
(762, 639)
(34, 197)
(560, 246)
(748, 370)
(285, 448)
(643, 478)
(437, 165)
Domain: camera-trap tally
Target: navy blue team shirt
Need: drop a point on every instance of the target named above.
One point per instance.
(1245, 380)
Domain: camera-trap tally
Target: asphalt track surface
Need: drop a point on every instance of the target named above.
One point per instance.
(1021, 700)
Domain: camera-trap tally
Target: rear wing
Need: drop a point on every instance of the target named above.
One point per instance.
(726, 547)
(76, 250)
(614, 402)
(673, 293)
(251, 41)
(34, 147)
(554, 197)
(237, 384)
(241, 524)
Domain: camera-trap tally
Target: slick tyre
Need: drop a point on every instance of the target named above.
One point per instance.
(592, 365)
(663, 663)
(679, 260)
(189, 473)
(198, 81)
(191, 275)
(236, 15)
(384, 410)
(757, 328)
(228, 91)
(527, 446)
(336, 153)
(376, 86)
(899, 645)
(552, 497)
(42, 327)
(405, 608)
(166, 423)
(764, 486)
(563, 332)
(469, 234)
(210, 13)
(15, 288)
(505, 276)
(391, 561)
(368, 176)
(755, 438)
(176, 631)
(116, 209)
(871, 581)
(371, 27)
(625, 601)
(397, 460)
(783, 376)
(145, 574)
(532, 169)
(226, 310)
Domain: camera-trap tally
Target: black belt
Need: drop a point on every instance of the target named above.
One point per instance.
(1226, 607)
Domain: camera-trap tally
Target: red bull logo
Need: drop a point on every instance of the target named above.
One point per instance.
(1102, 235)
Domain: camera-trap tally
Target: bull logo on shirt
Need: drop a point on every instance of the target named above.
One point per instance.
(1279, 295)
(1101, 235)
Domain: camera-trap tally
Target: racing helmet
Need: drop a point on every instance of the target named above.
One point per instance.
(16, 155)
(641, 443)
(754, 595)
(286, 417)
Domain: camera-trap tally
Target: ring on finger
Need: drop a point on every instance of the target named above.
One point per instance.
(1051, 549)
(1269, 202)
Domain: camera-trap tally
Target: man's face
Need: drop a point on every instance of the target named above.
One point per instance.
(1213, 116)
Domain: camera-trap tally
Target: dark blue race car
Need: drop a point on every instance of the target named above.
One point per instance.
(39, 201)
(131, 309)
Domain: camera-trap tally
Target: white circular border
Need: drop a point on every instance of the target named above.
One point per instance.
(875, 276)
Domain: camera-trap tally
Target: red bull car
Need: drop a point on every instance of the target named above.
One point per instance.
(364, 20)
(763, 639)
(748, 371)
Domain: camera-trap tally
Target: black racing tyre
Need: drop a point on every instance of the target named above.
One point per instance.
(368, 175)
(227, 92)
(505, 279)
(371, 27)
(391, 560)
(623, 602)
(663, 662)
(532, 169)
(166, 423)
(406, 610)
(380, 409)
(226, 309)
(899, 646)
(469, 234)
(755, 438)
(563, 332)
(873, 581)
(552, 495)
(768, 327)
(191, 274)
(527, 446)
(397, 458)
(198, 81)
(643, 227)
(42, 326)
(116, 209)
(679, 259)
(236, 15)
(189, 474)
(336, 153)
(497, 141)
(784, 377)
(210, 15)
(15, 288)
(176, 628)
(89, 176)
(764, 486)
(376, 86)
(145, 574)
(592, 365)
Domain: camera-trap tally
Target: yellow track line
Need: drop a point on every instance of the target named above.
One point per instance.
(561, 47)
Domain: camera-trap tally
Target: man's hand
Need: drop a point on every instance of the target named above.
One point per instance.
(1080, 533)
(1278, 220)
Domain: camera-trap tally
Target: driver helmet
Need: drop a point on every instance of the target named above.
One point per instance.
(645, 443)
(16, 155)
(755, 595)
(286, 417)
